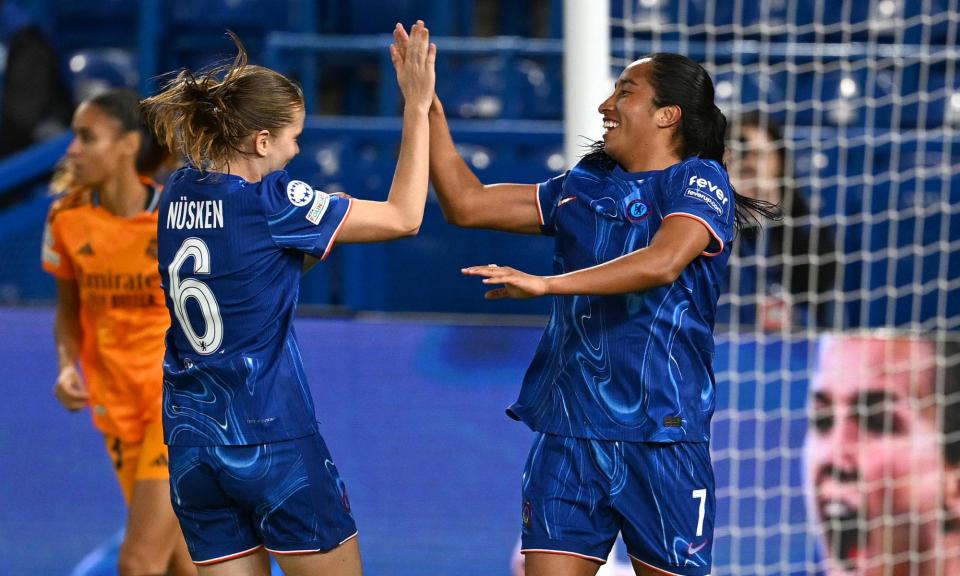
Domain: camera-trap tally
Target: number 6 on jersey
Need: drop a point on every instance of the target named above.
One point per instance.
(183, 290)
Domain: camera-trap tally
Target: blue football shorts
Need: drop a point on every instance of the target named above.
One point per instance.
(285, 496)
(578, 494)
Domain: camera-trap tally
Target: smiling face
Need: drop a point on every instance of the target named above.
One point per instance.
(875, 454)
(630, 115)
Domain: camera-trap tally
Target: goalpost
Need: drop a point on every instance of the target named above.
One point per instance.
(866, 96)
(586, 72)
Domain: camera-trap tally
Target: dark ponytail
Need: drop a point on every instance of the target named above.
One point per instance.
(715, 141)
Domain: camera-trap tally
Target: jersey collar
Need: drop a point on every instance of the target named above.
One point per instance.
(153, 198)
(153, 201)
(619, 172)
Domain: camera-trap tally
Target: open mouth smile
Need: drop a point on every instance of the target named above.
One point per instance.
(843, 529)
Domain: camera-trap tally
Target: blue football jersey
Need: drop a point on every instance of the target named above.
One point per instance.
(637, 366)
(231, 254)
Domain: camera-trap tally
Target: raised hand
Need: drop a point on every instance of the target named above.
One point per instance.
(516, 284)
(413, 59)
(70, 390)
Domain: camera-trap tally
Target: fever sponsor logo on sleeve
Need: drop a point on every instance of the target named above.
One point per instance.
(320, 204)
(701, 189)
(300, 193)
(691, 193)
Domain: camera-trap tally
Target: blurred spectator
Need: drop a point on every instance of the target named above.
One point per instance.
(791, 267)
(35, 101)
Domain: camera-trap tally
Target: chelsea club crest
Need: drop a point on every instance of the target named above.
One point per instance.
(637, 210)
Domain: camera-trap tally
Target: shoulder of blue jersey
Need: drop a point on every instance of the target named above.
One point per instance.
(300, 194)
(705, 181)
(320, 204)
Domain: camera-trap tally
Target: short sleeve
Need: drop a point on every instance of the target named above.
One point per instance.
(53, 253)
(301, 218)
(548, 196)
(701, 191)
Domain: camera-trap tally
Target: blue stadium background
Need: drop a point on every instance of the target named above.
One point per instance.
(437, 493)
(499, 74)
(413, 413)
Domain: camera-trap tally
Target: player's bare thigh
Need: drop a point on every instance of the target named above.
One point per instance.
(546, 564)
(344, 560)
(153, 543)
(644, 570)
(565, 565)
(255, 564)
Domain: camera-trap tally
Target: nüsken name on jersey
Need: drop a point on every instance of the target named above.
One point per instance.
(194, 214)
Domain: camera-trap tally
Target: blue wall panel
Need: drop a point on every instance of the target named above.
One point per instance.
(413, 414)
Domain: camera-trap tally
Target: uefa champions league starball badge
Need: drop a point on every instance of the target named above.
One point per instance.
(300, 193)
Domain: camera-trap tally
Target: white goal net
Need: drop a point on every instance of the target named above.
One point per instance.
(834, 434)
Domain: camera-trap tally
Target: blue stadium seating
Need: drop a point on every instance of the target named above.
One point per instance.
(498, 87)
(213, 15)
(852, 128)
(96, 69)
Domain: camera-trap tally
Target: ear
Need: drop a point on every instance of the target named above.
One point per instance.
(261, 142)
(668, 116)
(130, 143)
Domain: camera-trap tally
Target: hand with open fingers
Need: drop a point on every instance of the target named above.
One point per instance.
(401, 40)
(70, 390)
(516, 284)
(413, 59)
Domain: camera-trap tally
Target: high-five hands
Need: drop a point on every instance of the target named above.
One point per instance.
(413, 59)
(516, 284)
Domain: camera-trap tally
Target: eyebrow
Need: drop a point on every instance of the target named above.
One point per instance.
(622, 81)
(867, 399)
(872, 398)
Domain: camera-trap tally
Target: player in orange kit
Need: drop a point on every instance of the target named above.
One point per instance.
(100, 243)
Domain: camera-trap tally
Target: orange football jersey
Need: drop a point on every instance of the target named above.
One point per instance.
(122, 313)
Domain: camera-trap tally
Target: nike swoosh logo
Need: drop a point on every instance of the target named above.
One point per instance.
(691, 550)
(565, 200)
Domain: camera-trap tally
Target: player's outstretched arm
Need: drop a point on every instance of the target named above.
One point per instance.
(69, 389)
(402, 212)
(465, 201)
(678, 242)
